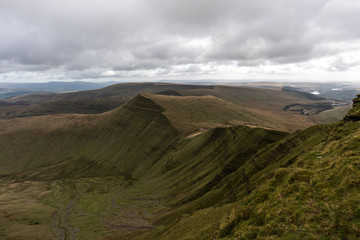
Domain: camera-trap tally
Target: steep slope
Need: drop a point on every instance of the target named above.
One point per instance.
(115, 141)
(193, 173)
(306, 186)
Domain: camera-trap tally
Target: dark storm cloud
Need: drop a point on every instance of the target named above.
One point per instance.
(75, 36)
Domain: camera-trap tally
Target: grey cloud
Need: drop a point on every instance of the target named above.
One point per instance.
(129, 35)
(340, 64)
(339, 19)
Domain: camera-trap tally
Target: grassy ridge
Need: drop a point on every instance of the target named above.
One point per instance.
(265, 105)
(86, 102)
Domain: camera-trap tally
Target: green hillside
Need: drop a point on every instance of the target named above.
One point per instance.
(138, 128)
(308, 190)
(132, 173)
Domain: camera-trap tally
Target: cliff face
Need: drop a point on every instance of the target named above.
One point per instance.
(354, 113)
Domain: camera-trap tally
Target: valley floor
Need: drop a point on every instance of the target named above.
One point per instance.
(85, 208)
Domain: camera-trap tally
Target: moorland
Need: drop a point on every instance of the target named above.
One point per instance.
(174, 161)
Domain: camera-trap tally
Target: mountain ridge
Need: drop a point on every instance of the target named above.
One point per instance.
(267, 104)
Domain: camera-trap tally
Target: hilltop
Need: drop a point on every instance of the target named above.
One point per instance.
(9, 89)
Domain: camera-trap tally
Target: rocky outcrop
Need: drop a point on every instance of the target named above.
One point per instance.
(354, 113)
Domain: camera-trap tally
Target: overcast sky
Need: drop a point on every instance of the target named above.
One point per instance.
(299, 40)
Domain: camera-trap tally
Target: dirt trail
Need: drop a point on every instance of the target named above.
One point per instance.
(61, 223)
(197, 133)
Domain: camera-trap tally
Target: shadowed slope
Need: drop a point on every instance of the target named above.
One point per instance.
(192, 173)
(116, 141)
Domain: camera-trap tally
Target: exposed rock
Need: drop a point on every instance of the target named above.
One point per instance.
(354, 113)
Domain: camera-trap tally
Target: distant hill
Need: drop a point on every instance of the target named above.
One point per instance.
(8, 90)
(270, 105)
(343, 95)
(57, 86)
(94, 101)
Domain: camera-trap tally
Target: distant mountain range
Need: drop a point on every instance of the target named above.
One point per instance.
(268, 107)
(14, 89)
